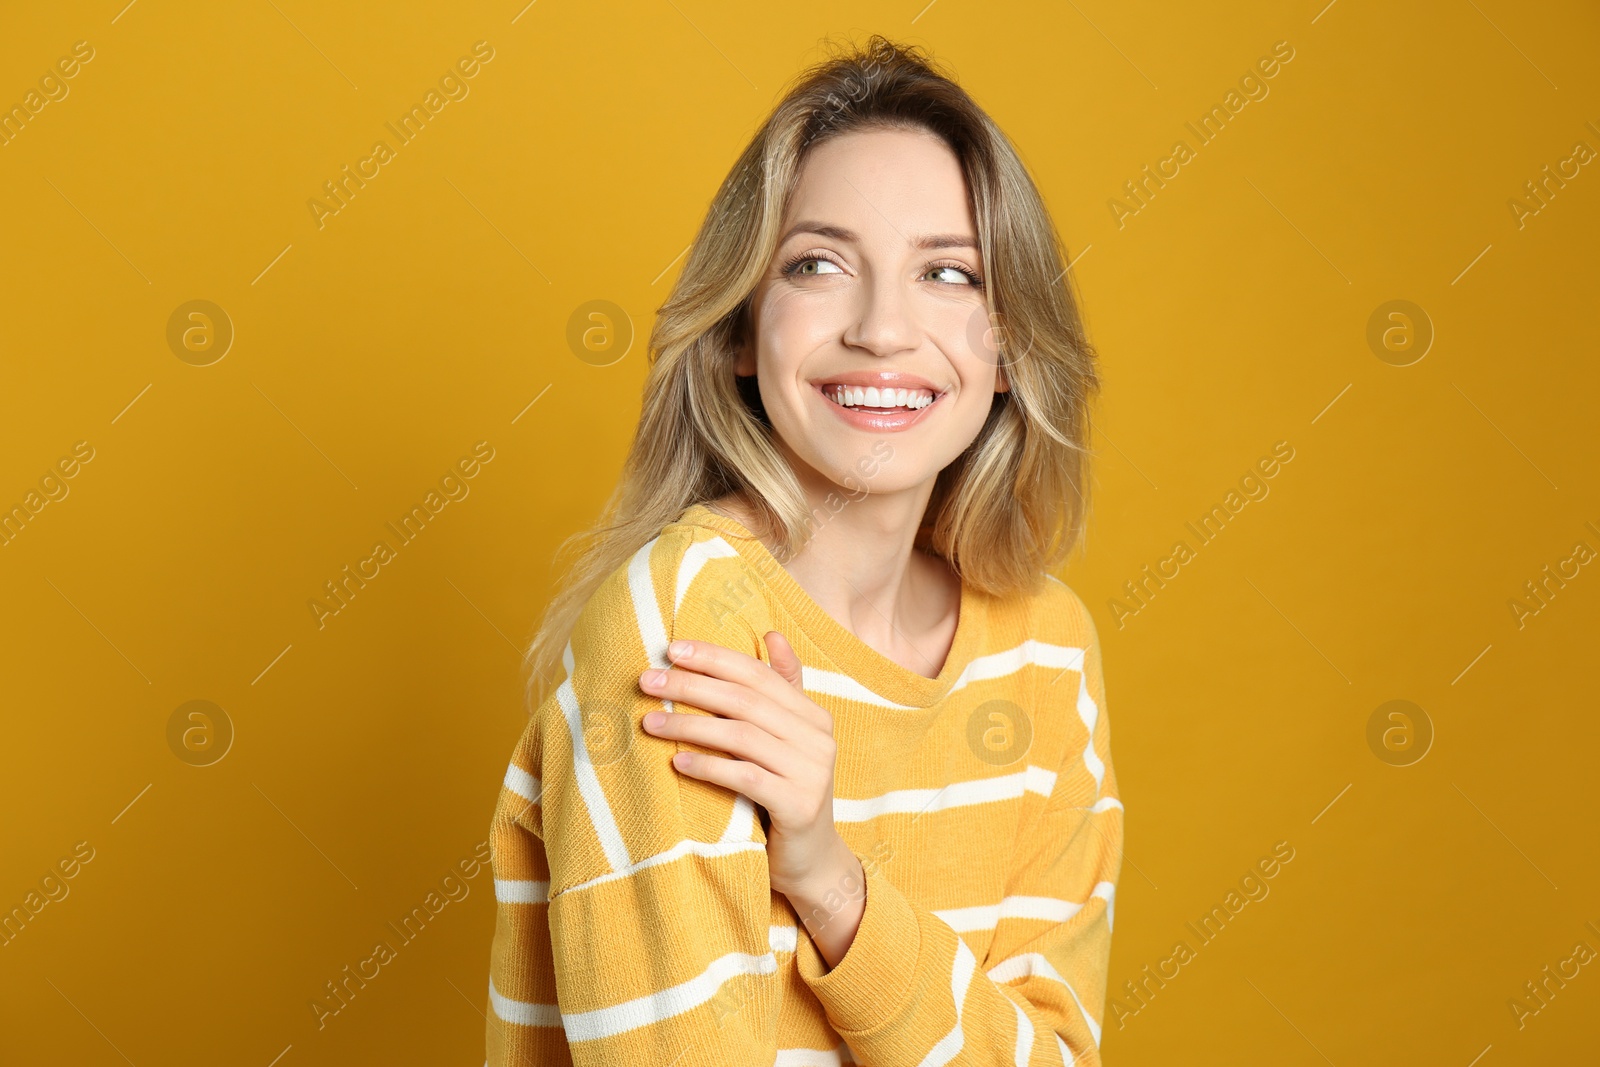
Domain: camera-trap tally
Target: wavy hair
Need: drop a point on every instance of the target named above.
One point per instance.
(1003, 513)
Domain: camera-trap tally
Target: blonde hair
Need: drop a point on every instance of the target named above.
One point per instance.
(1009, 508)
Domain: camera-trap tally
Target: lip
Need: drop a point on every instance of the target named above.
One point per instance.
(863, 420)
(881, 378)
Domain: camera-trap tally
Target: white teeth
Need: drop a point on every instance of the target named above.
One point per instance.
(873, 397)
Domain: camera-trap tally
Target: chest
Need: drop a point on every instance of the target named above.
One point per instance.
(920, 807)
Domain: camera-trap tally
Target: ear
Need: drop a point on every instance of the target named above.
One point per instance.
(1002, 384)
(744, 360)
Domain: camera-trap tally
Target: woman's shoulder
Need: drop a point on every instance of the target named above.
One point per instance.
(682, 582)
(1063, 615)
(686, 580)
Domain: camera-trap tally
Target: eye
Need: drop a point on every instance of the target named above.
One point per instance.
(971, 277)
(795, 266)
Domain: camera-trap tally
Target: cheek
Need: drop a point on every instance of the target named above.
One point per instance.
(976, 361)
(781, 344)
(776, 354)
(981, 336)
(788, 332)
(798, 322)
(978, 379)
(975, 407)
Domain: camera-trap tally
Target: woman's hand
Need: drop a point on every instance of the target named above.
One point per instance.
(786, 745)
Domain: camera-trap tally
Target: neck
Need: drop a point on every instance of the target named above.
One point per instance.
(862, 565)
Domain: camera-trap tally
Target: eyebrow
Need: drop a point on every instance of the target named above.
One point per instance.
(924, 241)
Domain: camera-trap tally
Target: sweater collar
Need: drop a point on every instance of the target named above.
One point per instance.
(852, 656)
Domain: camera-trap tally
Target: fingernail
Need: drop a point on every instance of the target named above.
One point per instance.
(680, 649)
(653, 679)
(655, 719)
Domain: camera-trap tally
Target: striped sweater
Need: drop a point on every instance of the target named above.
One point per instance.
(635, 923)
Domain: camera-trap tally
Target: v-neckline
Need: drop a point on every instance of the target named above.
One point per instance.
(882, 675)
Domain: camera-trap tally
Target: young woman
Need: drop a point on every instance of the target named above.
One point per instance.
(824, 775)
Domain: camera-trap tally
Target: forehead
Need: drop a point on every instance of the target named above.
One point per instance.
(882, 183)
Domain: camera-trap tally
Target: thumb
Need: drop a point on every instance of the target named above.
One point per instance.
(784, 660)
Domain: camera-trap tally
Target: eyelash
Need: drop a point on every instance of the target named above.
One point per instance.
(805, 257)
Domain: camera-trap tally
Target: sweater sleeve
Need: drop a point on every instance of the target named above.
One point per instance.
(634, 910)
(910, 991)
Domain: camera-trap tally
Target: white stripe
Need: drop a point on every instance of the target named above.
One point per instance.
(987, 916)
(522, 783)
(954, 795)
(1107, 892)
(698, 555)
(521, 1012)
(1057, 657)
(963, 920)
(1066, 1053)
(1089, 713)
(1033, 963)
(686, 996)
(646, 609)
(832, 683)
(1046, 909)
(1024, 1036)
(807, 1057)
(653, 635)
(783, 938)
(982, 669)
(509, 891)
(742, 823)
(1105, 804)
(1010, 660)
(583, 772)
(814, 1057)
(711, 850)
(962, 969)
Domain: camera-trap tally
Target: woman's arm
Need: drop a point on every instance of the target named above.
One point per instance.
(909, 990)
(643, 892)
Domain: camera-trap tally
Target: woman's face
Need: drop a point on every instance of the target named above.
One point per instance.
(876, 283)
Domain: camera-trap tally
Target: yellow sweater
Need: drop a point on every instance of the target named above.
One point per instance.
(635, 924)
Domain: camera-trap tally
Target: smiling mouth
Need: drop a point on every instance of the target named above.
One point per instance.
(881, 401)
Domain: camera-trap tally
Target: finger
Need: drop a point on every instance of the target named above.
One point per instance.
(784, 659)
(731, 699)
(732, 736)
(725, 663)
(753, 781)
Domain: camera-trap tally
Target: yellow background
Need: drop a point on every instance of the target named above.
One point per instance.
(372, 353)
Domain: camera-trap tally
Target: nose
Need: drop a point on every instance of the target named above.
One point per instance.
(884, 319)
